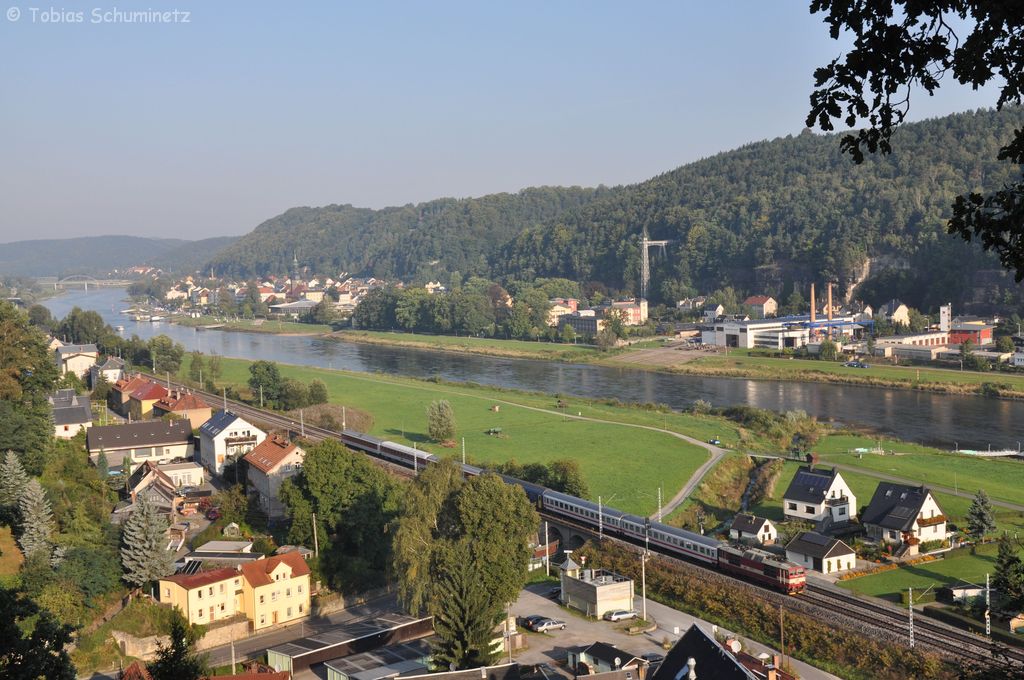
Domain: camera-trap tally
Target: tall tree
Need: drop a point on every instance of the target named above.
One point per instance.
(317, 392)
(1009, 573)
(465, 613)
(32, 642)
(36, 520)
(13, 480)
(196, 366)
(440, 420)
(166, 354)
(103, 466)
(178, 659)
(144, 553)
(981, 519)
(898, 45)
(214, 366)
(265, 376)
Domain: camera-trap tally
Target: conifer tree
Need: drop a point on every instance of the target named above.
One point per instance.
(36, 520)
(1009, 575)
(980, 518)
(13, 480)
(102, 466)
(144, 553)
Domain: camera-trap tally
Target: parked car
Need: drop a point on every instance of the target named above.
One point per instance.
(716, 441)
(213, 514)
(528, 622)
(620, 615)
(543, 624)
(555, 593)
(856, 364)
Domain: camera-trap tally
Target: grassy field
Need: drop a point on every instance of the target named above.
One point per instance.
(1000, 478)
(625, 465)
(10, 555)
(491, 346)
(962, 566)
(824, 371)
(257, 325)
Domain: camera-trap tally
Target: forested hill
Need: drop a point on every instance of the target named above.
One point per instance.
(409, 242)
(792, 210)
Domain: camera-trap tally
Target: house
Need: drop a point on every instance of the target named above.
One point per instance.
(184, 474)
(584, 322)
(632, 312)
(149, 482)
(691, 304)
(819, 495)
(762, 306)
(435, 287)
(183, 405)
(110, 370)
(557, 311)
(698, 654)
(594, 591)
(205, 596)
(822, 553)
(143, 397)
(273, 461)
(120, 391)
(77, 359)
(72, 413)
(746, 527)
(226, 436)
(276, 590)
(155, 440)
(136, 670)
(900, 514)
(712, 312)
(602, 657)
(978, 332)
(896, 312)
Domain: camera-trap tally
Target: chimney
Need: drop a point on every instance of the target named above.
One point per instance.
(692, 664)
(830, 301)
(813, 314)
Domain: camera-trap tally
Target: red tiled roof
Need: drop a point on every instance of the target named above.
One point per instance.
(185, 402)
(756, 300)
(269, 453)
(148, 391)
(136, 671)
(129, 383)
(203, 578)
(257, 573)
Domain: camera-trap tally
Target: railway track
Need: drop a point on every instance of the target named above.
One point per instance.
(928, 633)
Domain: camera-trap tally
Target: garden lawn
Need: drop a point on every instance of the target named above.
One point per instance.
(10, 555)
(962, 566)
(863, 487)
(760, 366)
(1000, 478)
(624, 465)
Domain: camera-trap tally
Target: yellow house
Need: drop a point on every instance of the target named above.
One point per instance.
(276, 590)
(206, 596)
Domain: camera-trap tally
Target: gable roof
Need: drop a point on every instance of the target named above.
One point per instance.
(221, 421)
(176, 401)
(814, 544)
(891, 307)
(70, 408)
(77, 349)
(609, 653)
(810, 485)
(269, 454)
(895, 506)
(111, 364)
(258, 573)
(711, 660)
(202, 578)
(747, 523)
(135, 671)
(147, 433)
(148, 391)
(145, 470)
(758, 300)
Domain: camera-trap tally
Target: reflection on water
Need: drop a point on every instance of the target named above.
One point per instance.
(936, 419)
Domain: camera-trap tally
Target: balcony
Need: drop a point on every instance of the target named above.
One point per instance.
(833, 502)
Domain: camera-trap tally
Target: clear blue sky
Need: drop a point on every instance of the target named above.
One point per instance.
(210, 127)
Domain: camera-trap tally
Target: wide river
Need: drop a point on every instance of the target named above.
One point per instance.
(939, 420)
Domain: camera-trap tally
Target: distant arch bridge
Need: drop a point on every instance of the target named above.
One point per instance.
(83, 280)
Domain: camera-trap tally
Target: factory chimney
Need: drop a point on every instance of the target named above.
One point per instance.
(813, 330)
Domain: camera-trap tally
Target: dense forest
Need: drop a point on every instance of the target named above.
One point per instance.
(789, 211)
(423, 241)
(763, 218)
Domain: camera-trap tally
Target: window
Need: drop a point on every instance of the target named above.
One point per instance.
(200, 594)
(299, 588)
(289, 611)
(300, 607)
(288, 592)
(222, 587)
(200, 615)
(842, 511)
(792, 506)
(273, 596)
(261, 599)
(809, 508)
(263, 619)
(167, 592)
(222, 606)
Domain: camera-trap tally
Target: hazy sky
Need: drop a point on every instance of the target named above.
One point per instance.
(209, 127)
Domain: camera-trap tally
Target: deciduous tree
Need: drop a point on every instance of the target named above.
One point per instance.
(317, 392)
(440, 420)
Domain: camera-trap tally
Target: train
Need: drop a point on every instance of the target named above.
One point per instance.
(751, 564)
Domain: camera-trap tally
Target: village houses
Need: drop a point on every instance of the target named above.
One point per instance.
(903, 515)
(226, 436)
(819, 495)
(273, 461)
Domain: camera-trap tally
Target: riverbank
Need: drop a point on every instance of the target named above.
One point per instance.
(923, 379)
(509, 349)
(273, 327)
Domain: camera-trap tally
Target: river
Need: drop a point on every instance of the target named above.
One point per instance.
(940, 420)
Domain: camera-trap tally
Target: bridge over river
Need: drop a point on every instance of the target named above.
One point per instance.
(82, 281)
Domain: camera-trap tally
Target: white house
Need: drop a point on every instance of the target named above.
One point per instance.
(823, 553)
(71, 413)
(110, 370)
(225, 436)
(747, 527)
(76, 359)
(900, 514)
(270, 463)
(817, 495)
(712, 312)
